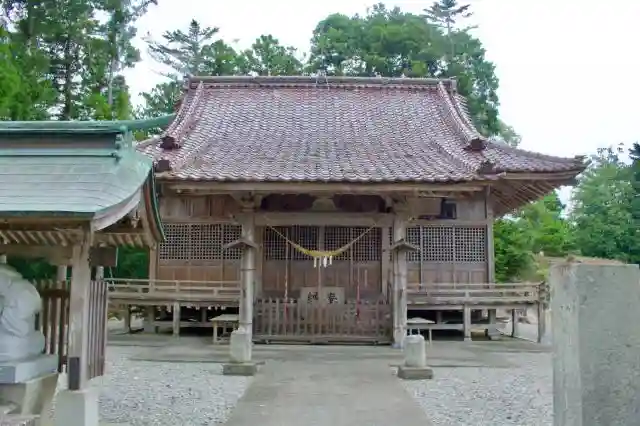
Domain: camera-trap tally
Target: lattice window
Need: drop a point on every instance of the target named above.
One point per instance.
(413, 237)
(471, 244)
(305, 236)
(177, 245)
(336, 237)
(231, 233)
(275, 247)
(199, 242)
(206, 242)
(368, 248)
(437, 243)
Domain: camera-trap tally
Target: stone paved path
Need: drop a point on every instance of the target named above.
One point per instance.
(331, 391)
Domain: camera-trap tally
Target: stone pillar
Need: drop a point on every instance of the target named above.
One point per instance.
(415, 359)
(399, 283)
(3, 258)
(596, 341)
(241, 342)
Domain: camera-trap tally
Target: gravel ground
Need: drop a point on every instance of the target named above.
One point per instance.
(165, 394)
(520, 396)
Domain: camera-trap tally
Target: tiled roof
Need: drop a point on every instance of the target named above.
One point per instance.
(338, 129)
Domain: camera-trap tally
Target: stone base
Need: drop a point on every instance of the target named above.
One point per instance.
(77, 408)
(18, 420)
(415, 373)
(33, 397)
(23, 370)
(240, 369)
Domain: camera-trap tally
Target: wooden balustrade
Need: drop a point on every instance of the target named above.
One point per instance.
(476, 294)
(297, 320)
(131, 290)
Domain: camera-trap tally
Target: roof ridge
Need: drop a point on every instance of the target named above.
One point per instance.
(82, 127)
(453, 156)
(305, 80)
(192, 114)
(475, 141)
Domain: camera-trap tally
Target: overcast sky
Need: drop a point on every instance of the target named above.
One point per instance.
(569, 70)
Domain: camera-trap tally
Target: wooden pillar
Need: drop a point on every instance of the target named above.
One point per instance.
(385, 262)
(148, 322)
(78, 345)
(399, 282)
(492, 330)
(248, 271)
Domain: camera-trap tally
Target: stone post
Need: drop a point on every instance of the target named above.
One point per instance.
(241, 341)
(596, 344)
(415, 359)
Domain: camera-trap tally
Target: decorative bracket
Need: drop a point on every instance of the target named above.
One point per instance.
(403, 245)
(242, 243)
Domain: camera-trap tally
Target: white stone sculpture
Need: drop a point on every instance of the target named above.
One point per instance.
(19, 304)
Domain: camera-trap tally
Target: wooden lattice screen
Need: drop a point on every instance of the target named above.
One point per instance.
(367, 248)
(199, 241)
(448, 243)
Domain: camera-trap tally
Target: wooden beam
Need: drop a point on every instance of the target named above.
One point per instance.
(79, 304)
(56, 255)
(319, 218)
(321, 187)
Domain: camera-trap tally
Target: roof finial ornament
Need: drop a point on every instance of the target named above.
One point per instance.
(321, 76)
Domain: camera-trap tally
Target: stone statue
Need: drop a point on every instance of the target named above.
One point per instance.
(19, 304)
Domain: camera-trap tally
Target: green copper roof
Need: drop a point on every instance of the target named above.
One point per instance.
(68, 184)
(81, 127)
(73, 169)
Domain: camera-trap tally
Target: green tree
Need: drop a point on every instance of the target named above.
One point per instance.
(392, 43)
(119, 32)
(508, 135)
(602, 208)
(196, 51)
(268, 57)
(548, 231)
(513, 250)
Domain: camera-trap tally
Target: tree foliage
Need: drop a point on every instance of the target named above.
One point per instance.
(604, 208)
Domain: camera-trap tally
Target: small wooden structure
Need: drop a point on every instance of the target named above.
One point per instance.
(335, 205)
(71, 192)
